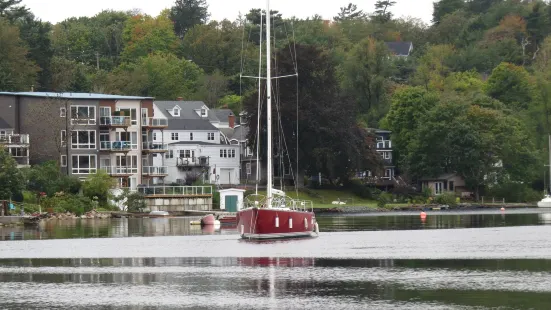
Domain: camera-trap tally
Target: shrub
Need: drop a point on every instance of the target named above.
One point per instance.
(98, 185)
(383, 199)
(67, 203)
(513, 192)
(135, 202)
(447, 198)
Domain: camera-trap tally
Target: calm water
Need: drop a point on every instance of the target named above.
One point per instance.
(451, 260)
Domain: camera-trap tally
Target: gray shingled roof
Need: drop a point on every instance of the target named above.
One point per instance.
(4, 124)
(399, 48)
(222, 114)
(240, 133)
(190, 124)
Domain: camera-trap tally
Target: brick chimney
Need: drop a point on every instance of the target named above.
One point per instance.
(231, 120)
(180, 98)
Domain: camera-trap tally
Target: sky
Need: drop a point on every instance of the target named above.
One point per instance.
(55, 11)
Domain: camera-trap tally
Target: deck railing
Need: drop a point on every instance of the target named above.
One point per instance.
(14, 139)
(154, 122)
(114, 170)
(175, 190)
(152, 170)
(115, 146)
(123, 121)
(154, 146)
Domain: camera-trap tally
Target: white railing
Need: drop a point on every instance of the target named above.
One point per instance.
(154, 146)
(123, 121)
(115, 146)
(14, 139)
(114, 170)
(154, 122)
(175, 190)
(151, 170)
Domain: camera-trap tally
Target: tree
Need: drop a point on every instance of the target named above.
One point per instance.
(11, 179)
(12, 10)
(349, 12)
(409, 105)
(17, 71)
(445, 7)
(185, 14)
(330, 141)
(511, 85)
(159, 75)
(382, 10)
(214, 87)
(47, 178)
(144, 35)
(480, 144)
(98, 186)
(366, 71)
(36, 35)
(434, 67)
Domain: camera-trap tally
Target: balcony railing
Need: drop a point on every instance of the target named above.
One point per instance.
(114, 170)
(14, 139)
(384, 145)
(151, 170)
(115, 146)
(115, 121)
(201, 161)
(176, 190)
(154, 122)
(154, 147)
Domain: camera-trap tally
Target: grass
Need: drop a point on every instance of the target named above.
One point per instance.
(323, 198)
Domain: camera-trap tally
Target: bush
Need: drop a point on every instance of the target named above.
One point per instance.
(98, 186)
(63, 203)
(383, 199)
(361, 190)
(135, 202)
(513, 192)
(447, 198)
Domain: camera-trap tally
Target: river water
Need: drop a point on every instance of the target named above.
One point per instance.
(451, 260)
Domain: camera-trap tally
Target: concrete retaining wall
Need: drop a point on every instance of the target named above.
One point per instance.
(5, 220)
(179, 204)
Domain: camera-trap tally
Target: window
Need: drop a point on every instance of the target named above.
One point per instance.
(233, 153)
(386, 155)
(83, 139)
(451, 186)
(191, 136)
(221, 153)
(131, 113)
(63, 160)
(388, 173)
(438, 188)
(187, 154)
(227, 153)
(83, 164)
(154, 136)
(211, 136)
(62, 112)
(174, 136)
(204, 112)
(248, 168)
(127, 164)
(63, 138)
(170, 154)
(19, 152)
(83, 115)
(176, 111)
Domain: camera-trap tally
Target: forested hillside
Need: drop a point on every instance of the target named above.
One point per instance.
(472, 98)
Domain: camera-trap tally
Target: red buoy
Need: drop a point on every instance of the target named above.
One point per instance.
(423, 214)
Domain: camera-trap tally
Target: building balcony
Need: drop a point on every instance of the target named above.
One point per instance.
(16, 139)
(117, 146)
(120, 171)
(155, 171)
(154, 147)
(385, 145)
(156, 123)
(176, 191)
(201, 161)
(115, 121)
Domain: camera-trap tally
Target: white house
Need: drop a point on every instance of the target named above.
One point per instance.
(194, 145)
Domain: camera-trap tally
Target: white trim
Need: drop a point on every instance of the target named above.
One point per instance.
(90, 170)
(88, 120)
(63, 141)
(279, 235)
(89, 145)
(61, 160)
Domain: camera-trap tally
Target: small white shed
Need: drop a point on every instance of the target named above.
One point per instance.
(231, 199)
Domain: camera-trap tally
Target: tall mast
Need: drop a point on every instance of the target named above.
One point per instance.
(258, 165)
(549, 192)
(268, 106)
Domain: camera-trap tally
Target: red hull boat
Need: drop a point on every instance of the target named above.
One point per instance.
(276, 223)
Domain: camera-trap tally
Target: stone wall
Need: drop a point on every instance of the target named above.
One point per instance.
(179, 204)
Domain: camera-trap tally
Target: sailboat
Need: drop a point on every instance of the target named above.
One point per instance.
(546, 201)
(276, 215)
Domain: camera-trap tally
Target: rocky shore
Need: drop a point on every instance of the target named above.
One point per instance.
(427, 207)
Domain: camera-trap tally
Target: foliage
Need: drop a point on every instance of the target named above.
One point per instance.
(349, 12)
(47, 178)
(445, 7)
(11, 179)
(447, 198)
(511, 85)
(62, 203)
(187, 13)
(384, 199)
(513, 192)
(98, 186)
(17, 71)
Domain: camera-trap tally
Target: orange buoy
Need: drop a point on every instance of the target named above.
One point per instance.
(502, 209)
(423, 214)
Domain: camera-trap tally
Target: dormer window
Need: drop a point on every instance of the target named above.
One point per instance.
(176, 111)
(203, 112)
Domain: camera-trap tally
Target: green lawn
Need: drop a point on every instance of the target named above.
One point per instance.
(323, 198)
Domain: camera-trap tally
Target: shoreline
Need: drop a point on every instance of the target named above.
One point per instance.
(429, 207)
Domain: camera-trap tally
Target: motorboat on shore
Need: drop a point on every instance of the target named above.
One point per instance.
(545, 202)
